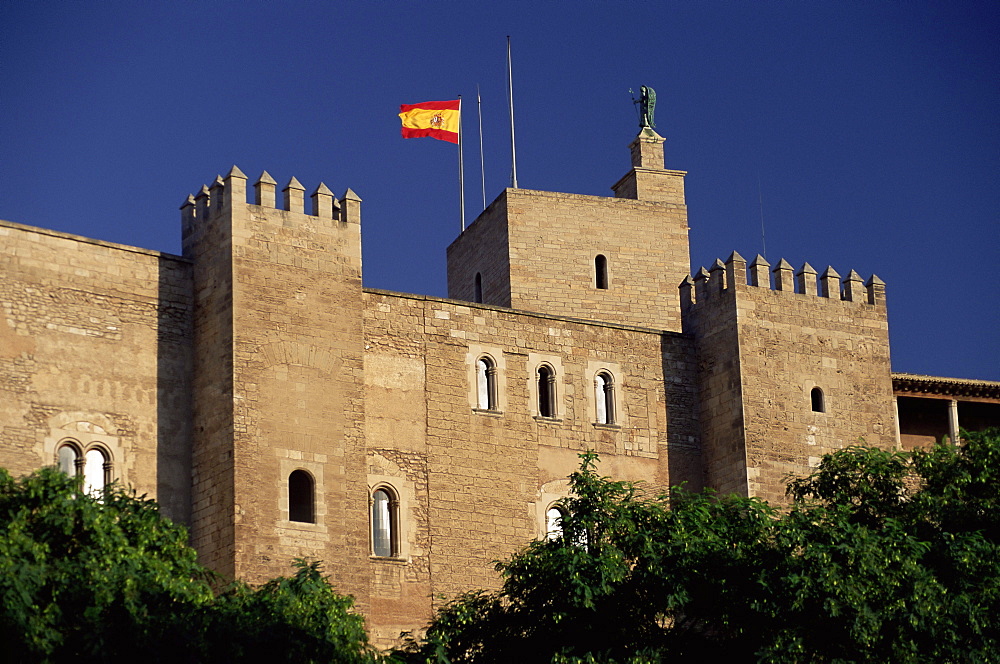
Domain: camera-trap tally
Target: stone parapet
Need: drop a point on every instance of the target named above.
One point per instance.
(225, 192)
(733, 273)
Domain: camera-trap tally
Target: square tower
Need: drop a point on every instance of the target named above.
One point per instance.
(278, 443)
(786, 374)
(616, 259)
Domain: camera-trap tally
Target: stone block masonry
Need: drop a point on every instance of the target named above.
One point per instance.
(478, 475)
(278, 317)
(540, 251)
(264, 397)
(786, 377)
(95, 351)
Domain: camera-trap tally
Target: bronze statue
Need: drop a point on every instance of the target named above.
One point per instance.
(647, 104)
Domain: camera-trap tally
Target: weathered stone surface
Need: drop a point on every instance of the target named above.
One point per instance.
(210, 378)
(536, 251)
(95, 348)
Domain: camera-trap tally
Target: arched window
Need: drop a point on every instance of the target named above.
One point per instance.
(818, 401)
(478, 295)
(70, 460)
(96, 471)
(604, 396)
(486, 383)
(94, 466)
(553, 523)
(301, 497)
(601, 271)
(385, 523)
(546, 391)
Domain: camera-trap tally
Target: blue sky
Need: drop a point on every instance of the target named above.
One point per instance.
(865, 133)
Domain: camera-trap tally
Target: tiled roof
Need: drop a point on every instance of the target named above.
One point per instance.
(959, 387)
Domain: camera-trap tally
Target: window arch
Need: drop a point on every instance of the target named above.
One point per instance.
(301, 497)
(553, 522)
(478, 288)
(486, 383)
(70, 459)
(93, 464)
(546, 391)
(96, 470)
(601, 271)
(604, 397)
(818, 400)
(385, 523)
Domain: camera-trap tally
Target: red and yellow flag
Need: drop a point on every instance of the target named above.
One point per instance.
(437, 119)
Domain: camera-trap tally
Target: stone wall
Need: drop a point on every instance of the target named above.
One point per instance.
(720, 388)
(95, 351)
(482, 249)
(536, 250)
(209, 247)
(478, 481)
(210, 379)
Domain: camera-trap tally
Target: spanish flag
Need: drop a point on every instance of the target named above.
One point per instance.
(437, 119)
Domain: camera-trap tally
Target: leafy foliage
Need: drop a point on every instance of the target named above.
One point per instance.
(881, 556)
(101, 579)
(296, 619)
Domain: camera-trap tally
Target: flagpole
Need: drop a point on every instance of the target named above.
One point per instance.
(510, 103)
(482, 163)
(461, 166)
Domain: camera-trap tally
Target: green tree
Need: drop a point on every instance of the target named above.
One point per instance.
(880, 557)
(288, 619)
(99, 579)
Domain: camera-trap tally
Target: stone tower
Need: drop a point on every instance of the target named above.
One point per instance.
(599, 258)
(787, 374)
(278, 386)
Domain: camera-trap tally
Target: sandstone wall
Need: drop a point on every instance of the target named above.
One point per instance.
(482, 248)
(95, 349)
(791, 343)
(548, 243)
(209, 247)
(478, 481)
(210, 379)
(720, 392)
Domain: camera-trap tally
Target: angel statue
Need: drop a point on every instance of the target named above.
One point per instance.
(647, 104)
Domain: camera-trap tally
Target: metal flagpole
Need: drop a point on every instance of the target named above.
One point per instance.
(760, 199)
(461, 166)
(482, 163)
(510, 103)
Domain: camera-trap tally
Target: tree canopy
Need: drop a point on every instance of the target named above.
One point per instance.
(880, 556)
(101, 578)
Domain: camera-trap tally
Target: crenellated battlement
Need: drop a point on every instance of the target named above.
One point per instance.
(708, 284)
(225, 191)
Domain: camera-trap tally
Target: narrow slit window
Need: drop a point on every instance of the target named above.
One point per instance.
(601, 271)
(546, 391)
(478, 295)
(486, 383)
(301, 497)
(818, 400)
(384, 524)
(604, 396)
